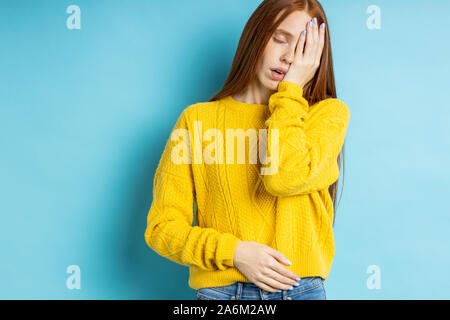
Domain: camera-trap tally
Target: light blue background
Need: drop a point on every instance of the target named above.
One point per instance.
(85, 114)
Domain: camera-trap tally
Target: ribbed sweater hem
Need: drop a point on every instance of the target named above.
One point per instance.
(312, 265)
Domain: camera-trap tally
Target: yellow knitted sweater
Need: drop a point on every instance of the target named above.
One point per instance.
(289, 209)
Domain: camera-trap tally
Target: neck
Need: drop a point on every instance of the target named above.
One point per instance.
(255, 93)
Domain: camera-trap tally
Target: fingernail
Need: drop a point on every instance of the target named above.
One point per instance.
(278, 290)
(315, 20)
(310, 24)
(322, 25)
(304, 33)
(291, 288)
(296, 284)
(298, 279)
(288, 262)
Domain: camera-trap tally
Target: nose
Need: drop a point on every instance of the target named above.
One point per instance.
(289, 55)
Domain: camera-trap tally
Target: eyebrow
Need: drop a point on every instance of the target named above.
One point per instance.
(285, 32)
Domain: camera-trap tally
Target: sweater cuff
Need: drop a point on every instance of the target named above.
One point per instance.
(229, 243)
(292, 87)
(289, 99)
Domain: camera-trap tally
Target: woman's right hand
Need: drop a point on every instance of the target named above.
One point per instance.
(308, 55)
(261, 265)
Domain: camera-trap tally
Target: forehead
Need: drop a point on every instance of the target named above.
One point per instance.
(294, 23)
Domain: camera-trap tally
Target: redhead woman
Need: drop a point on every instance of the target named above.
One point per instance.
(264, 206)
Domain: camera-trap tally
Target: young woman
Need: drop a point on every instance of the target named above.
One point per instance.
(252, 216)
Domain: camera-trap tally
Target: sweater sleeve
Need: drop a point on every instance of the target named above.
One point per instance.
(169, 229)
(304, 153)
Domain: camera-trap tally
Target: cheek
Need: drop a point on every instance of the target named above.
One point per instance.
(273, 53)
(262, 65)
(268, 57)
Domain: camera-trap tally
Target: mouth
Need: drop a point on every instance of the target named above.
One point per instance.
(278, 74)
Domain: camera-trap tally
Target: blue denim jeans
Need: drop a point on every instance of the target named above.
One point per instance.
(309, 288)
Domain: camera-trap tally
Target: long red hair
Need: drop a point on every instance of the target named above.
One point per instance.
(255, 36)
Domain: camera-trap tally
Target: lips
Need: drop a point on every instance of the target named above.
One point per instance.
(280, 70)
(278, 73)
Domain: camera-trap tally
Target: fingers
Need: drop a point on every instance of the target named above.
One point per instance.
(275, 275)
(273, 281)
(315, 31)
(274, 285)
(300, 44)
(284, 273)
(314, 42)
(277, 255)
(321, 41)
(309, 47)
(280, 281)
(279, 267)
(316, 38)
(266, 287)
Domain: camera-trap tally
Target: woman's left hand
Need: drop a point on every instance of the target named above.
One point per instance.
(306, 63)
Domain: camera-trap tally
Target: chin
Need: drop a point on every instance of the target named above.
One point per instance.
(272, 85)
(269, 83)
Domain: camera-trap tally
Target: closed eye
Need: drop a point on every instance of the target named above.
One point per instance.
(278, 41)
